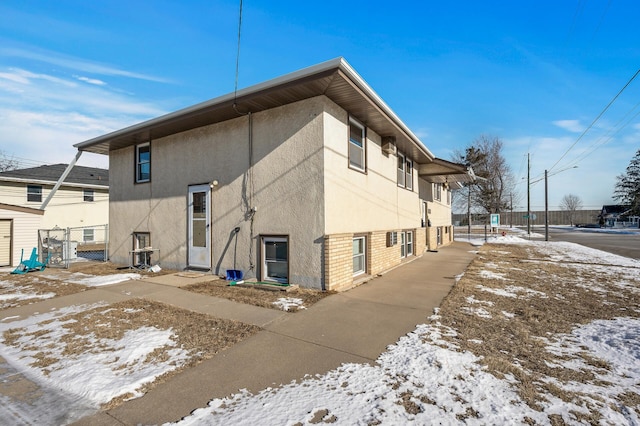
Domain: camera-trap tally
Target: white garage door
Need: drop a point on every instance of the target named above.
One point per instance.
(5, 242)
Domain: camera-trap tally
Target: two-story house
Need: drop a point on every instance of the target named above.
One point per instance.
(309, 178)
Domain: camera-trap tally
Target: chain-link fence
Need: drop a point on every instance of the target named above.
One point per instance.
(61, 247)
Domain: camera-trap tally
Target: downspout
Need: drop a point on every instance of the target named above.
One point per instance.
(60, 180)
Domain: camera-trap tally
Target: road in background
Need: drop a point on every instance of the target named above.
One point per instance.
(623, 244)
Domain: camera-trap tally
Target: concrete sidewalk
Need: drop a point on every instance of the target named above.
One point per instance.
(354, 326)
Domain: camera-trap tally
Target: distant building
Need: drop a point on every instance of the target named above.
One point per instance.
(81, 201)
(617, 216)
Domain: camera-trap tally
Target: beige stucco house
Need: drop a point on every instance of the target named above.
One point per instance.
(308, 179)
(82, 201)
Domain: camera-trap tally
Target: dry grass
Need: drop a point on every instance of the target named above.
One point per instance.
(55, 283)
(33, 287)
(256, 296)
(553, 298)
(200, 335)
(51, 282)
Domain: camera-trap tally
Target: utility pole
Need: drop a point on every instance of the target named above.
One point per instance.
(511, 215)
(528, 193)
(469, 213)
(546, 208)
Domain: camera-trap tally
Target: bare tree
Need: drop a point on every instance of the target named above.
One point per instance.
(493, 193)
(570, 203)
(7, 163)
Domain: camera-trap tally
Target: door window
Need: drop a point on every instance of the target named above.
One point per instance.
(199, 222)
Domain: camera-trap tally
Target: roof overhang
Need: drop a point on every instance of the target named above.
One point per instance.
(335, 79)
(21, 209)
(53, 182)
(443, 171)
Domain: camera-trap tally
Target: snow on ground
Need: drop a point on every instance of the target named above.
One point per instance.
(100, 280)
(424, 379)
(74, 384)
(289, 303)
(10, 292)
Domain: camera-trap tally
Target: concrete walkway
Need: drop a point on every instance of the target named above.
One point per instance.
(354, 326)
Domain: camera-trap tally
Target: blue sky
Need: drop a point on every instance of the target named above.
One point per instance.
(536, 74)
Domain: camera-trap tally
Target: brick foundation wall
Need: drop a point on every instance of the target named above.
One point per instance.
(421, 241)
(338, 256)
(338, 261)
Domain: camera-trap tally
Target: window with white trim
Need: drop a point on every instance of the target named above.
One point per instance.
(34, 193)
(405, 172)
(437, 195)
(88, 234)
(401, 170)
(87, 195)
(409, 242)
(143, 163)
(406, 244)
(409, 174)
(357, 146)
(359, 258)
(275, 258)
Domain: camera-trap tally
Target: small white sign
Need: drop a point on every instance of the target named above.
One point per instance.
(495, 220)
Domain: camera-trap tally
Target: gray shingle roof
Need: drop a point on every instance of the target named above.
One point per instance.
(51, 173)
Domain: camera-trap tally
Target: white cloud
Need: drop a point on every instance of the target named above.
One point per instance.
(20, 76)
(570, 125)
(42, 116)
(76, 64)
(92, 81)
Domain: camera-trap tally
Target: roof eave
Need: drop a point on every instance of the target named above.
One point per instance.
(137, 133)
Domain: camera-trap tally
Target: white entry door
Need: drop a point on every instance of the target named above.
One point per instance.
(200, 226)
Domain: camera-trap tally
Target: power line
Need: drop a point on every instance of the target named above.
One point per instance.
(596, 119)
(235, 90)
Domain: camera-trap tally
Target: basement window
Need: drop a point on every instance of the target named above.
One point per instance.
(359, 259)
(275, 258)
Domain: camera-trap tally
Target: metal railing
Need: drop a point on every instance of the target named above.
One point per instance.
(64, 246)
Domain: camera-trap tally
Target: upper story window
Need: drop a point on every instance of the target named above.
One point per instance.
(34, 193)
(405, 172)
(88, 195)
(401, 171)
(88, 234)
(357, 146)
(409, 172)
(448, 196)
(143, 163)
(437, 193)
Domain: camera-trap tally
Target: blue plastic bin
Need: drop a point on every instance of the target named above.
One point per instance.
(234, 275)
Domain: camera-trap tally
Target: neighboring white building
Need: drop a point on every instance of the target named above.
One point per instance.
(18, 231)
(81, 201)
(309, 179)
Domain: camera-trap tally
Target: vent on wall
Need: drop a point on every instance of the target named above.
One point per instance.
(389, 144)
